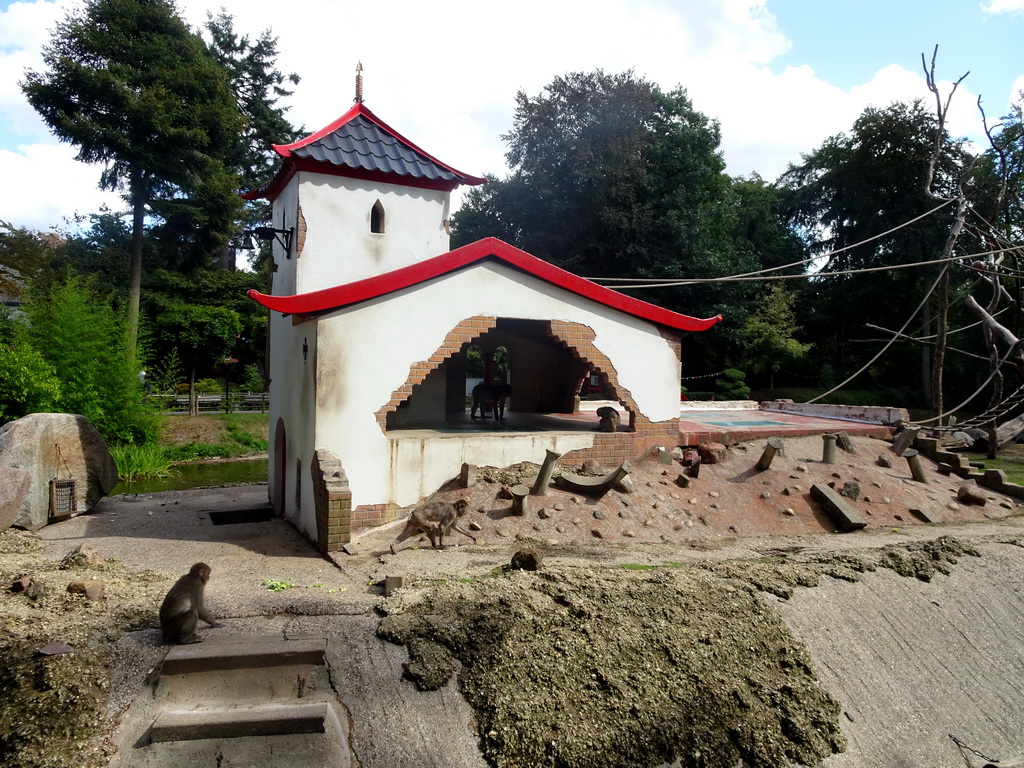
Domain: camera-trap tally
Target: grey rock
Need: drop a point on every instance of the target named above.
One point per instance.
(14, 487)
(57, 445)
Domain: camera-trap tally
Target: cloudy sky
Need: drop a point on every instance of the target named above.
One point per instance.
(779, 75)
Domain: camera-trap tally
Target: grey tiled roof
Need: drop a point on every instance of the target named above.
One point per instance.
(361, 144)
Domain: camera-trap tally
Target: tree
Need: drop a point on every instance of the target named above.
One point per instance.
(136, 91)
(610, 177)
(853, 198)
(767, 335)
(258, 86)
(201, 335)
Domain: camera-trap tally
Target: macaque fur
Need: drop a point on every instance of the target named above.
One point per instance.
(495, 394)
(609, 419)
(183, 607)
(436, 519)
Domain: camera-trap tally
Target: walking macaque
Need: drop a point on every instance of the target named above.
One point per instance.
(436, 519)
(183, 607)
(609, 419)
(495, 394)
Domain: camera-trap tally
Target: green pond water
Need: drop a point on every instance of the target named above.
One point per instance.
(201, 475)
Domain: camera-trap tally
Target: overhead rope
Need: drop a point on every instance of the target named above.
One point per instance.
(889, 343)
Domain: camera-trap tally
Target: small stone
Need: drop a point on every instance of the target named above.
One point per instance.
(692, 500)
(703, 519)
(574, 499)
(712, 453)
(577, 521)
(22, 584)
(501, 532)
(664, 537)
(526, 559)
(786, 492)
(558, 506)
(648, 523)
(654, 504)
(789, 512)
(765, 495)
(898, 517)
(850, 490)
(876, 484)
(680, 526)
(623, 515)
(538, 527)
(713, 506)
(543, 513)
(801, 468)
(475, 526)
(1005, 505)
(867, 500)
(952, 506)
(883, 461)
(629, 533)
(886, 500)
(661, 497)
(714, 494)
(599, 514)
(625, 502)
(836, 475)
(552, 542)
(82, 555)
(625, 485)
(54, 649)
(734, 529)
(560, 528)
(596, 534)
(91, 588)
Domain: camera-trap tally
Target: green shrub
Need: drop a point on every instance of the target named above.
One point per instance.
(732, 385)
(138, 462)
(28, 383)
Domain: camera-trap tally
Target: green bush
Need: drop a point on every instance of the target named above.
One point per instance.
(138, 462)
(28, 383)
(732, 385)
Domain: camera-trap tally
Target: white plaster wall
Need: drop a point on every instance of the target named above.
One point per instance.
(285, 216)
(366, 352)
(339, 246)
(293, 399)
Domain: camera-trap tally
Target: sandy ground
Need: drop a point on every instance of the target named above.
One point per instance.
(909, 661)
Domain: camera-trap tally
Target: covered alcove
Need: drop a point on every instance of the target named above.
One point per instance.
(545, 370)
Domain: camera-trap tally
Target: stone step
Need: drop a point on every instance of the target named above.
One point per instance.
(244, 652)
(239, 722)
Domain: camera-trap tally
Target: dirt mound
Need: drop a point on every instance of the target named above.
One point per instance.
(625, 667)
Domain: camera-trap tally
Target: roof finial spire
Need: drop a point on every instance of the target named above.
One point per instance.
(359, 83)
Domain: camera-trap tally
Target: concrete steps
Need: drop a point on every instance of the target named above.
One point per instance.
(243, 700)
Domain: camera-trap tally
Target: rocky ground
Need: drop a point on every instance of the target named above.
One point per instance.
(652, 632)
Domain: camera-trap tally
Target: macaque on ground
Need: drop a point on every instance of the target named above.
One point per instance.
(183, 607)
(495, 394)
(436, 519)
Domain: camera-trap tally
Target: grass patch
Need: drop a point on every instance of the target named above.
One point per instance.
(192, 438)
(139, 462)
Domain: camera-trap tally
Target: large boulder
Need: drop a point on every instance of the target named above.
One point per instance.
(14, 485)
(59, 446)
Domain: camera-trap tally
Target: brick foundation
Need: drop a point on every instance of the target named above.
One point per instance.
(332, 501)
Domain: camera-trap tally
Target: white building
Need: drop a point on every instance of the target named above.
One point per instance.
(371, 316)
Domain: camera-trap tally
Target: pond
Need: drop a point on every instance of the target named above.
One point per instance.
(203, 474)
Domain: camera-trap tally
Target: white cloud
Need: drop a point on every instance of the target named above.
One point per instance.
(1003, 6)
(446, 77)
(43, 185)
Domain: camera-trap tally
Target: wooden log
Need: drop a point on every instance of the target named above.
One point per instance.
(519, 494)
(828, 452)
(694, 469)
(914, 461)
(835, 506)
(904, 440)
(592, 486)
(773, 447)
(468, 475)
(540, 486)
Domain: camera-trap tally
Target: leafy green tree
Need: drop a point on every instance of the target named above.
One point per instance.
(610, 177)
(851, 198)
(83, 337)
(258, 86)
(201, 335)
(28, 384)
(136, 91)
(768, 334)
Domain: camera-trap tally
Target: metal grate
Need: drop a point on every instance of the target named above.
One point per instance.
(63, 499)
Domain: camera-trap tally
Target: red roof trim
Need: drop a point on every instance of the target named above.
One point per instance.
(318, 302)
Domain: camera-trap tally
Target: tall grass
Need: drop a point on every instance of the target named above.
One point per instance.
(138, 462)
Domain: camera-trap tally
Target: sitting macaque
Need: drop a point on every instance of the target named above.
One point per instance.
(609, 419)
(183, 607)
(436, 519)
(495, 394)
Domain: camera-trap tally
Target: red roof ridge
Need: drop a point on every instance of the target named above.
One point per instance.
(327, 299)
